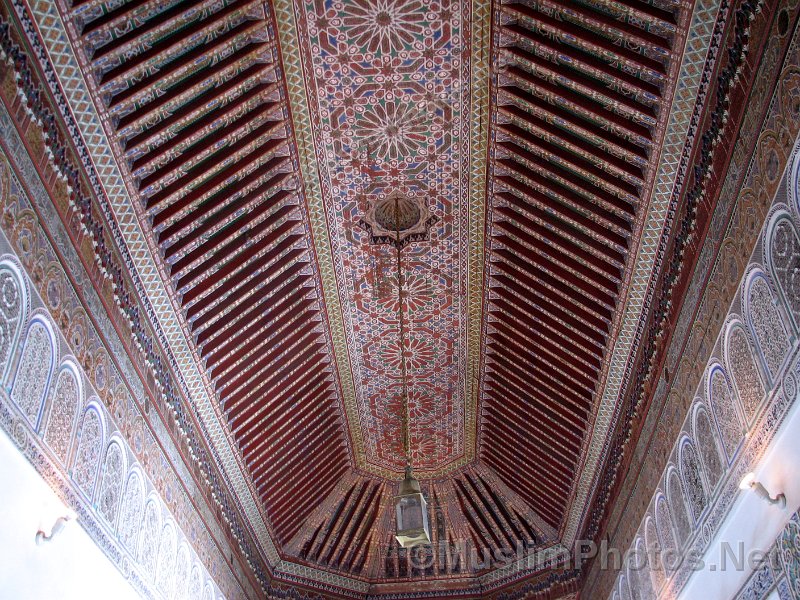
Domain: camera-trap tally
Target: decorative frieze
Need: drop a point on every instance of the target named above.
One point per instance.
(691, 483)
(90, 477)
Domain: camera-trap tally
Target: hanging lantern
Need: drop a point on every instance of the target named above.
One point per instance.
(411, 512)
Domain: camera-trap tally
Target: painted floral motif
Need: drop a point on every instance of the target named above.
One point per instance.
(65, 403)
(745, 373)
(768, 327)
(785, 254)
(87, 457)
(422, 407)
(418, 292)
(33, 372)
(386, 26)
(131, 513)
(393, 130)
(109, 490)
(10, 312)
(726, 415)
(419, 352)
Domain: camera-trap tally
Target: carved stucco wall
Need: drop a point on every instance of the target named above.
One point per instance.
(749, 385)
(53, 413)
(65, 404)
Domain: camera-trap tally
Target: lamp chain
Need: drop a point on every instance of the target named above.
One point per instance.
(404, 388)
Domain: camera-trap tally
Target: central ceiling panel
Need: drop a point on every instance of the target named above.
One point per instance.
(387, 87)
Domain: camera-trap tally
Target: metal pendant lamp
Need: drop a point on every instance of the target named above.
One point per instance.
(411, 509)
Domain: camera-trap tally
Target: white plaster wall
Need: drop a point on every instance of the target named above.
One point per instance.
(70, 566)
(753, 522)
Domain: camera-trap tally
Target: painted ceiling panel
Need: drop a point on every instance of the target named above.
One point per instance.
(388, 90)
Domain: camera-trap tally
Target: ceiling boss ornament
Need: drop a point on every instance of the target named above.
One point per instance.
(397, 219)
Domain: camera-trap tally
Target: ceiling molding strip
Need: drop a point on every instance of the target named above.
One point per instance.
(480, 86)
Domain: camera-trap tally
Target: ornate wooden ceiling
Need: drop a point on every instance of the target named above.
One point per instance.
(255, 137)
(579, 93)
